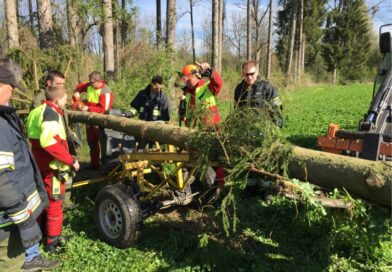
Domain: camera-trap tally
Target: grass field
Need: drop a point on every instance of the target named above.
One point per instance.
(278, 235)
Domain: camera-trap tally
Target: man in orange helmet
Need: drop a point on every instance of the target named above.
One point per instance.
(200, 100)
(201, 94)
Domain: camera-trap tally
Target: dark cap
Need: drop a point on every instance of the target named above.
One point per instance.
(10, 73)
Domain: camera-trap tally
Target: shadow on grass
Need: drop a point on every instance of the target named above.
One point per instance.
(306, 141)
(264, 241)
(273, 237)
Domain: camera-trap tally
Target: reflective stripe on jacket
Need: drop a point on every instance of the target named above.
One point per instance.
(22, 193)
(203, 98)
(46, 131)
(100, 100)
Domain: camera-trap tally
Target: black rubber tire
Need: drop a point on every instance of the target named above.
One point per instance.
(118, 216)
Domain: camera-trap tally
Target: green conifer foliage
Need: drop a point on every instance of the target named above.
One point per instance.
(346, 40)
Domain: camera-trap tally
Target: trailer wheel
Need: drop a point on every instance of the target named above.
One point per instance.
(118, 216)
(207, 188)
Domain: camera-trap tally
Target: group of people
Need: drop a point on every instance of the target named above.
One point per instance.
(33, 181)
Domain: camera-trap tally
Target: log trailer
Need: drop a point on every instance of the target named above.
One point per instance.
(373, 140)
(140, 184)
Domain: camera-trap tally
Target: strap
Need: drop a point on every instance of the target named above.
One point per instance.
(4, 221)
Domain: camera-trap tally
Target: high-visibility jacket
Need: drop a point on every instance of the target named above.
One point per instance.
(22, 192)
(46, 132)
(100, 100)
(203, 97)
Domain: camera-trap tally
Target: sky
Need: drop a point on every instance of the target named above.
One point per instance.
(202, 12)
(147, 8)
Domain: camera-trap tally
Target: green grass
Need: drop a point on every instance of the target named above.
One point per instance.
(280, 235)
(309, 111)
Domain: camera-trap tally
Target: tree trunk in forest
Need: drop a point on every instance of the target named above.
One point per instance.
(370, 180)
(300, 39)
(171, 24)
(108, 41)
(116, 33)
(303, 53)
(249, 30)
(220, 35)
(45, 22)
(290, 49)
(124, 24)
(31, 16)
(73, 27)
(269, 52)
(159, 23)
(215, 33)
(257, 27)
(12, 23)
(192, 31)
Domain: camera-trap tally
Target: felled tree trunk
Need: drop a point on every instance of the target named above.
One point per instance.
(369, 180)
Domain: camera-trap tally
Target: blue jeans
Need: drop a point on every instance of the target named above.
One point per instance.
(32, 252)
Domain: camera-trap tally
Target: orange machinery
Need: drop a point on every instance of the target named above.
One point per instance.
(373, 140)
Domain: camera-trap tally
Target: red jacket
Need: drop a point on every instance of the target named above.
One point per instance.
(103, 103)
(215, 85)
(51, 143)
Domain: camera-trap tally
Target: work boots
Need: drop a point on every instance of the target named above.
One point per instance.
(40, 263)
(56, 243)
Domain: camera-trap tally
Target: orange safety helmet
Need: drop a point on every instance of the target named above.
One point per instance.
(190, 70)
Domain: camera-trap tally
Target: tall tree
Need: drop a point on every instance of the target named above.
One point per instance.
(269, 52)
(300, 39)
(290, 51)
(159, 23)
(31, 16)
(215, 34)
(12, 23)
(73, 26)
(191, 4)
(313, 21)
(171, 23)
(259, 32)
(108, 39)
(46, 35)
(249, 30)
(124, 23)
(221, 20)
(347, 40)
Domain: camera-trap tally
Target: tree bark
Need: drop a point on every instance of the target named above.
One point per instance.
(215, 33)
(303, 53)
(192, 31)
(31, 16)
(290, 49)
(46, 35)
(249, 30)
(108, 40)
(269, 52)
(116, 33)
(12, 23)
(124, 24)
(300, 39)
(73, 27)
(159, 23)
(171, 24)
(220, 35)
(370, 180)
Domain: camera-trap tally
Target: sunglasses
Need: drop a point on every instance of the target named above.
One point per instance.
(250, 74)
